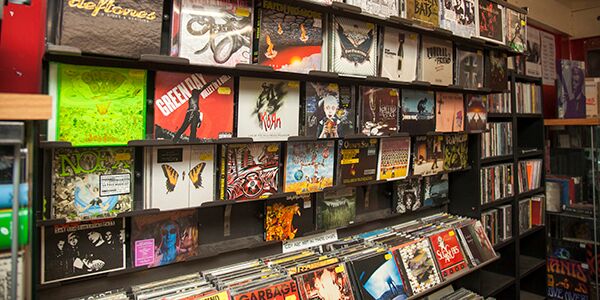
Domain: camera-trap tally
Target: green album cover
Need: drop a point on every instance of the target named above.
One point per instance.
(100, 106)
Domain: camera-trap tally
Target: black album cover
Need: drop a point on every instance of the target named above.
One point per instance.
(374, 197)
(358, 160)
(469, 68)
(407, 195)
(330, 110)
(379, 110)
(496, 70)
(491, 21)
(456, 151)
(476, 112)
(435, 189)
(379, 278)
(418, 112)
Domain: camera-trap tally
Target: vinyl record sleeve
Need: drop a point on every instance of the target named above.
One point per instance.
(383, 9)
(418, 112)
(516, 31)
(358, 160)
(459, 16)
(288, 218)
(400, 52)
(435, 61)
(331, 282)
(379, 110)
(450, 112)
(456, 151)
(329, 110)
(353, 47)
(496, 70)
(418, 262)
(425, 12)
(407, 195)
(336, 209)
(476, 112)
(435, 189)
(428, 155)
(474, 237)
(469, 68)
(448, 253)
(533, 58)
(309, 166)
(378, 277)
(491, 21)
(394, 158)
(283, 290)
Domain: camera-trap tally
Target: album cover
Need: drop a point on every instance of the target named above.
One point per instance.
(330, 110)
(180, 176)
(516, 30)
(309, 166)
(477, 243)
(288, 218)
(331, 282)
(469, 69)
(164, 238)
(459, 17)
(212, 32)
(399, 53)
(435, 189)
(374, 197)
(268, 109)
(533, 57)
(476, 112)
(418, 112)
(90, 183)
(192, 105)
(287, 37)
(456, 152)
(436, 61)
(358, 160)
(128, 28)
(383, 9)
(99, 106)
(448, 253)
(418, 262)
(336, 209)
(354, 47)
(407, 195)
(81, 249)
(424, 12)
(249, 171)
(496, 70)
(571, 89)
(287, 289)
(379, 110)
(378, 278)
(428, 155)
(394, 158)
(450, 112)
(491, 21)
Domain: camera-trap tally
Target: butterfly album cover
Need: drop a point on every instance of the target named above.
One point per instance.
(436, 61)
(399, 54)
(418, 112)
(459, 16)
(469, 68)
(288, 218)
(379, 110)
(491, 21)
(450, 112)
(354, 47)
(476, 112)
(394, 158)
(309, 166)
(329, 110)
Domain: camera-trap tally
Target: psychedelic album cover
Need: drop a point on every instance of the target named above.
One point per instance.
(164, 238)
(90, 183)
(330, 110)
(129, 28)
(516, 30)
(336, 209)
(569, 278)
(288, 38)
(399, 54)
(436, 63)
(354, 47)
(491, 21)
(379, 278)
(394, 158)
(379, 8)
(476, 112)
(571, 89)
(456, 152)
(425, 12)
(450, 112)
(469, 69)
(251, 171)
(268, 109)
(418, 112)
(435, 189)
(428, 155)
(418, 262)
(407, 195)
(533, 56)
(180, 176)
(287, 289)
(477, 243)
(192, 105)
(288, 218)
(81, 249)
(496, 70)
(100, 106)
(459, 17)
(379, 110)
(212, 32)
(358, 160)
(448, 253)
(309, 166)
(331, 282)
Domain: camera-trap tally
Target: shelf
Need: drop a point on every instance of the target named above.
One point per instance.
(570, 215)
(492, 115)
(503, 244)
(530, 193)
(25, 107)
(525, 78)
(496, 159)
(530, 115)
(496, 203)
(572, 122)
(529, 154)
(528, 265)
(493, 283)
(524, 295)
(531, 231)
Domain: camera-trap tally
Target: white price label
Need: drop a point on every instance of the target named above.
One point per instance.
(115, 184)
(309, 241)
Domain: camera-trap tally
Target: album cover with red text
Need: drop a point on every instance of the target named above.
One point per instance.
(448, 253)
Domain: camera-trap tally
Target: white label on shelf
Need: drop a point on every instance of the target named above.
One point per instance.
(115, 184)
(309, 241)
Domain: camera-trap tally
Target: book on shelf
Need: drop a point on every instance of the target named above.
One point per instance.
(497, 140)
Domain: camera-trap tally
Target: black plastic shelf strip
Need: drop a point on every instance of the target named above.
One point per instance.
(531, 231)
(496, 159)
(493, 115)
(529, 154)
(493, 283)
(496, 203)
(568, 214)
(530, 115)
(526, 78)
(530, 193)
(528, 265)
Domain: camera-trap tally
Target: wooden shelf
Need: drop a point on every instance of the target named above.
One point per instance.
(572, 122)
(528, 265)
(25, 107)
(493, 283)
(530, 296)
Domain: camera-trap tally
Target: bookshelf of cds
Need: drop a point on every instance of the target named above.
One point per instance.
(244, 153)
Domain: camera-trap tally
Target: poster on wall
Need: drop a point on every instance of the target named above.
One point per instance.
(548, 57)
(567, 279)
(533, 64)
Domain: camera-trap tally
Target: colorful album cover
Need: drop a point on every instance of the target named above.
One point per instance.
(435, 189)
(281, 291)
(428, 155)
(571, 89)
(378, 278)
(130, 28)
(476, 112)
(336, 209)
(379, 110)
(288, 38)
(418, 112)
(81, 249)
(394, 158)
(288, 218)
(249, 171)
(459, 17)
(358, 160)
(181, 176)
(192, 105)
(407, 195)
(456, 152)
(533, 56)
(379, 8)
(164, 238)
(309, 166)
(436, 63)
(399, 54)
(469, 68)
(330, 110)
(571, 278)
(491, 21)
(90, 183)
(418, 262)
(425, 12)
(448, 253)
(268, 109)
(496, 70)
(516, 31)
(477, 243)
(331, 282)
(213, 32)
(99, 106)
(450, 112)
(354, 49)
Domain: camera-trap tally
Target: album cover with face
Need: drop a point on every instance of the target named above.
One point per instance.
(496, 70)
(469, 68)
(533, 57)
(288, 218)
(357, 160)
(516, 30)
(459, 16)
(491, 21)
(379, 110)
(336, 209)
(378, 277)
(450, 112)
(309, 166)
(331, 282)
(435, 61)
(329, 109)
(407, 195)
(399, 54)
(476, 112)
(353, 47)
(394, 158)
(418, 112)
(424, 12)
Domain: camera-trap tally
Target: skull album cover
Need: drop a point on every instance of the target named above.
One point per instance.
(329, 110)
